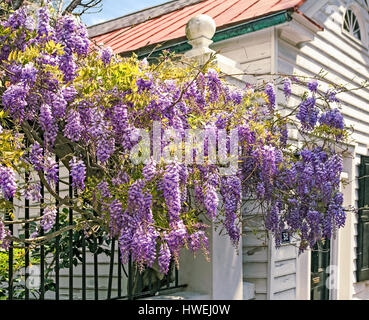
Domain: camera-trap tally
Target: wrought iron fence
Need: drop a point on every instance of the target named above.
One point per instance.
(37, 273)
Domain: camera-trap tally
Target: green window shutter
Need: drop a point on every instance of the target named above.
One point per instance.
(363, 226)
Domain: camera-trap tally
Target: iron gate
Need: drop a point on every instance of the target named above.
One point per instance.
(68, 251)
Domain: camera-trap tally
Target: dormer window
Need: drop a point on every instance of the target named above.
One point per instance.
(351, 24)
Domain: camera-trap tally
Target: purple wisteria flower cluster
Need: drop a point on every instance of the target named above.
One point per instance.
(315, 206)
(308, 113)
(78, 173)
(48, 218)
(8, 182)
(333, 118)
(2, 231)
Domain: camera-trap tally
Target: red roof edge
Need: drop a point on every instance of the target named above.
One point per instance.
(309, 19)
(297, 10)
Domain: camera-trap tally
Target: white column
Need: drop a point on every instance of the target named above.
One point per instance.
(222, 277)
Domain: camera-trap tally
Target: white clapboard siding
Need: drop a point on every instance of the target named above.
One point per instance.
(246, 48)
(256, 256)
(103, 279)
(283, 264)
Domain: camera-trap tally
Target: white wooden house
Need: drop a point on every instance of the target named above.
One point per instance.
(267, 37)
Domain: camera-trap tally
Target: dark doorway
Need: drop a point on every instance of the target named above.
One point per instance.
(320, 259)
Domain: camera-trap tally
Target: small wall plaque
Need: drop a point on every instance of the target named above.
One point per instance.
(286, 237)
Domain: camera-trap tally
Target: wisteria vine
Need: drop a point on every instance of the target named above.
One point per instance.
(63, 96)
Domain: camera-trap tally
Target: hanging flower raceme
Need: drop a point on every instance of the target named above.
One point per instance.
(104, 190)
(164, 258)
(8, 182)
(270, 92)
(287, 87)
(105, 148)
(48, 125)
(51, 170)
(32, 192)
(176, 238)
(308, 113)
(199, 241)
(2, 231)
(116, 217)
(106, 55)
(211, 200)
(172, 193)
(144, 246)
(14, 100)
(73, 129)
(149, 171)
(36, 157)
(313, 86)
(214, 84)
(48, 218)
(43, 26)
(78, 173)
(332, 118)
(231, 193)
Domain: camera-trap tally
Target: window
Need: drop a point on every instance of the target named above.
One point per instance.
(362, 268)
(351, 24)
(366, 5)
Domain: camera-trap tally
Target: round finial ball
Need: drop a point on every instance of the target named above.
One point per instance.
(200, 26)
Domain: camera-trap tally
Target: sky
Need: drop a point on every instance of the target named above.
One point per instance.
(116, 8)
